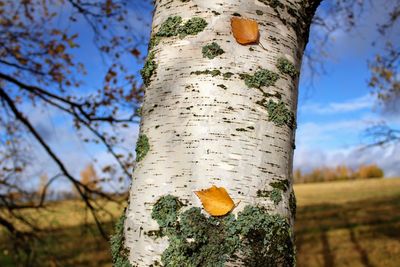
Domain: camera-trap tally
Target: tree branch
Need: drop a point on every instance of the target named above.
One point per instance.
(58, 162)
(74, 105)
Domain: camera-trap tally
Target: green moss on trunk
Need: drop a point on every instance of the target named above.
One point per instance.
(199, 240)
(292, 204)
(213, 72)
(170, 27)
(276, 195)
(119, 253)
(212, 50)
(227, 75)
(192, 27)
(279, 114)
(148, 69)
(282, 185)
(266, 239)
(262, 77)
(165, 211)
(173, 26)
(142, 147)
(154, 41)
(286, 67)
(263, 193)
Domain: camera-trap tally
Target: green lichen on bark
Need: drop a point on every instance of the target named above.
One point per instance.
(149, 69)
(119, 253)
(154, 41)
(210, 243)
(286, 67)
(142, 147)
(167, 29)
(276, 195)
(278, 187)
(227, 75)
(170, 27)
(198, 240)
(192, 27)
(266, 239)
(206, 234)
(279, 114)
(173, 26)
(213, 72)
(262, 77)
(165, 211)
(292, 204)
(263, 193)
(122, 262)
(212, 50)
(281, 184)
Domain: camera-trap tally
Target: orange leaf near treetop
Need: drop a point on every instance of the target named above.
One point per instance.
(216, 200)
(244, 30)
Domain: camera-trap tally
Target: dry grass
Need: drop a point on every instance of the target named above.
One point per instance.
(352, 223)
(341, 192)
(349, 224)
(70, 237)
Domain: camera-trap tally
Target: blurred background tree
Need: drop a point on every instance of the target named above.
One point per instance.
(89, 178)
(42, 67)
(338, 173)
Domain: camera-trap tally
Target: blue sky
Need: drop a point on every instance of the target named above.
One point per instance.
(334, 110)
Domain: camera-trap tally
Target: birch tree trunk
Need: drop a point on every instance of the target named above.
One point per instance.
(216, 113)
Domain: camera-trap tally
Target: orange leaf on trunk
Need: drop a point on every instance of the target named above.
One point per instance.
(245, 31)
(216, 200)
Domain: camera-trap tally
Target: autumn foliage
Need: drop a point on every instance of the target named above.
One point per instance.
(89, 177)
(216, 200)
(370, 171)
(245, 31)
(338, 173)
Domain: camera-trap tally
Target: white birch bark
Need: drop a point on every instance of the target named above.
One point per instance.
(201, 133)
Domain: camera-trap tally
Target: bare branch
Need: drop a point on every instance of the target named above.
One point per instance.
(81, 188)
(381, 135)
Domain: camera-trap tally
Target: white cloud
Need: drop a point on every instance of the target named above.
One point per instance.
(58, 132)
(360, 103)
(328, 134)
(385, 157)
(339, 141)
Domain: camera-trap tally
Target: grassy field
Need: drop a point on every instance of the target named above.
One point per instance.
(353, 223)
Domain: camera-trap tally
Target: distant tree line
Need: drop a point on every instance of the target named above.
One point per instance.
(338, 173)
(88, 178)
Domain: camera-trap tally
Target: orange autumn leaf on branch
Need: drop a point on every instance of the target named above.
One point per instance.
(216, 200)
(245, 31)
